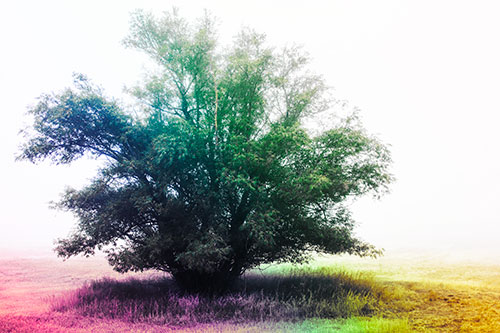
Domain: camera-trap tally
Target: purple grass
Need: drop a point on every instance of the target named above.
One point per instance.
(300, 294)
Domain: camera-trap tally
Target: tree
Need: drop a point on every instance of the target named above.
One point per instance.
(218, 173)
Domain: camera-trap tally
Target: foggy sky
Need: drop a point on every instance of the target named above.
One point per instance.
(425, 75)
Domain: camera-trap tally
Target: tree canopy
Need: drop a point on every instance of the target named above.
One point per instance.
(217, 172)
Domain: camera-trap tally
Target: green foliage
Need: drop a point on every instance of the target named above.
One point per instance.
(218, 174)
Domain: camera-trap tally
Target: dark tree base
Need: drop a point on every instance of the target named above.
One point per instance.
(202, 282)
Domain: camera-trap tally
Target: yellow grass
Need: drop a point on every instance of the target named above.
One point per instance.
(438, 294)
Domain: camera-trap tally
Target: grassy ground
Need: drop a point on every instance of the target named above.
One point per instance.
(334, 294)
(292, 300)
(438, 294)
(291, 295)
(72, 324)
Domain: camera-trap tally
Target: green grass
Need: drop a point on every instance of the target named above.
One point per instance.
(352, 325)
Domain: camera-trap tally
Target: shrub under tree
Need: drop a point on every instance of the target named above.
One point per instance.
(217, 172)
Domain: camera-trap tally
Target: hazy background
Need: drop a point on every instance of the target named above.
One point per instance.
(425, 74)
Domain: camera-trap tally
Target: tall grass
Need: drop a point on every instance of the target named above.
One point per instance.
(296, 294)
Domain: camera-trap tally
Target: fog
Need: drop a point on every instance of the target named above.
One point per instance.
(424, 74)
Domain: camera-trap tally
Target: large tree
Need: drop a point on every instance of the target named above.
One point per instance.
(218, 172)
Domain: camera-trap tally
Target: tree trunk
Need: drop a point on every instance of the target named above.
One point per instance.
(203, 282)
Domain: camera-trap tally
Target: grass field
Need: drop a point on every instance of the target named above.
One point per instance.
(390, 294)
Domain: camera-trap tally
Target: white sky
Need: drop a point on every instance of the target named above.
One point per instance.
(426, 75)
